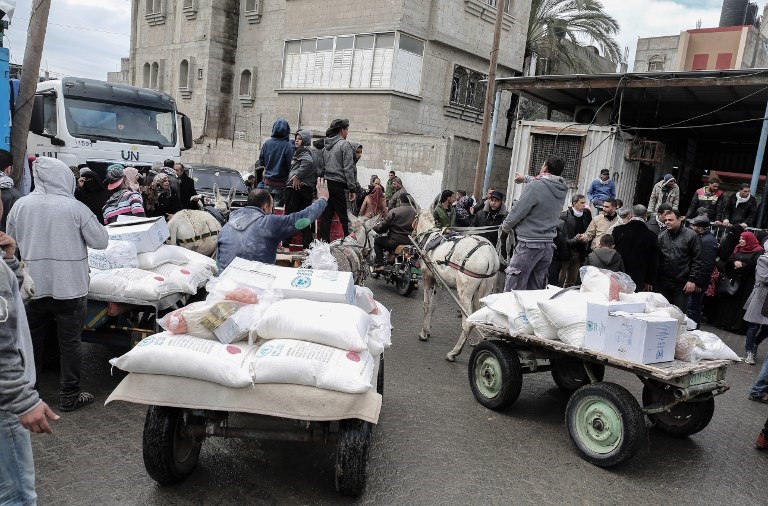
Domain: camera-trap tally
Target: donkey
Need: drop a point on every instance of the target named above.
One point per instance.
(195, 230)
(467, 265)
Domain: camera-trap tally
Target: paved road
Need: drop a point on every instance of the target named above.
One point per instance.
(434, 445)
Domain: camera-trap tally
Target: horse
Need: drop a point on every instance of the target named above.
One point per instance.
(468, 265)
(195, 230)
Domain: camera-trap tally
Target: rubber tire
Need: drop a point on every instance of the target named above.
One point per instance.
(628, 410)
(698, 414)
(569, 374)
(352, 456)
(511, 374)
(404, 288)
(160, 459)
(380, 376)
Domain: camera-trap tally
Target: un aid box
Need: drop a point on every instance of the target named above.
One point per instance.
(310, 284)
(642, 338)
(598, 322)
(147, 234)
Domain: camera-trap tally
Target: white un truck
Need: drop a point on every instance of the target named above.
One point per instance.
(84, 121)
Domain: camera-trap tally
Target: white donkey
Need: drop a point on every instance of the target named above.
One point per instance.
(194, 230)
(467, 265)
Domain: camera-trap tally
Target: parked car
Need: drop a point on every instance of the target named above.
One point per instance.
(205, 176)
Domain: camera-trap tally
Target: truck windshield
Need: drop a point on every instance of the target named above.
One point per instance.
(120, 122)
(206, 178)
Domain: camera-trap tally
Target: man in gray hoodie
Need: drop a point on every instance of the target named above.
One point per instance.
(52, 230)
(534, 219)
(21, 409)
(338, 169)
(301, 181)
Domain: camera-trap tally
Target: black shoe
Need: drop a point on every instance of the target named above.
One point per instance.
(82, 399)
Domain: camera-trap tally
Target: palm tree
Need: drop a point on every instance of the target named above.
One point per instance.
(558, 29)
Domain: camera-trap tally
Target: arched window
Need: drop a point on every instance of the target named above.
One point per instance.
(245, 83)
(153, 76)
(184, 74)
(656, 63)
(145, 76)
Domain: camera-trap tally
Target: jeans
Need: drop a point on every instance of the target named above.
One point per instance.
(675, 295)
(69, 316)
(756, 334)
(17, 469)
(528, 267)
(337, 203)
(761, 385)
(295, 201)
(380, 244)
(695, 306)
(278, 193)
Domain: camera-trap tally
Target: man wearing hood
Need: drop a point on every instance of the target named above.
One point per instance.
(605, 257)
(8, 191)
(254, 233)
(338, 167)
(275, 156)
(665, 191)
(534, 218)
(301, 182)
(92, 192)
(53, 230)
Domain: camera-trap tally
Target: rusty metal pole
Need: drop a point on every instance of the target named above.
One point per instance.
(488, 104)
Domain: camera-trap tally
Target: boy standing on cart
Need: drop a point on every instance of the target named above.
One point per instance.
(534, 218)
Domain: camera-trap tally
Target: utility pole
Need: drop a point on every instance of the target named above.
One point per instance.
(501, 5)
(38, 22)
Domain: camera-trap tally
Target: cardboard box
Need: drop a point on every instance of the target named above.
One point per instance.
(310, 284)
(642, 338)
(598, 324)
(147, 234)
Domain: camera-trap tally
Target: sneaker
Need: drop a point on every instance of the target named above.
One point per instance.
(750, 358)
(83, 399)
(762, 442)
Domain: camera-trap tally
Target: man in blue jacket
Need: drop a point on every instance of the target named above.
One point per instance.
(275, 157)
(254, 233)
(601, 190)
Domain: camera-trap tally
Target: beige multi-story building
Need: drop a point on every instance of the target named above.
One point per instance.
(408, 74)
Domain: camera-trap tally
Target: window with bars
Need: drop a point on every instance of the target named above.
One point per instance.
(495, 3)
(468, 88)
(568, 148)
(380, 60)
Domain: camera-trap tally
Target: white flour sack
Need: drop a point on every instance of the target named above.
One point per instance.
(165, 254)
(380, 334)
(190, 357)
(333, 324)
(568, 314)
(194, 257)
(302, 363)
(132, 284)
(506, 303)
(190, 277)
(529, 300)
(488, 316)
(118, 254)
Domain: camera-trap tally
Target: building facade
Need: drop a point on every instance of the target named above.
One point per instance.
(409, 75)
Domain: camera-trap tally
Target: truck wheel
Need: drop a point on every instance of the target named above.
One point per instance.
(569, 374)
(169, 454)
(352, 456)
(605, 423)
(380, 376)
(495, 375)
(681, 420)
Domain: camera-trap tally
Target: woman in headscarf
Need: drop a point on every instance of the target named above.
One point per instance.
(125, 200)
(92, 192)
(464, 218)
(162, 199)
(739, 267)
(374, 204)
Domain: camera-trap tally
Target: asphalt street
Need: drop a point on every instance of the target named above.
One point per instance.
(434, 444)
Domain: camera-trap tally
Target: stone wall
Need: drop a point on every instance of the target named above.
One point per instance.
(664, 47)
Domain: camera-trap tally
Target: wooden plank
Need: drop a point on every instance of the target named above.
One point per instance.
(660, 81)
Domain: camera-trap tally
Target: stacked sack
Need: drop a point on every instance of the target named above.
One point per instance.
(243, 335)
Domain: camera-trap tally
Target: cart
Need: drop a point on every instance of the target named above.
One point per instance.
(183, 412)
(605, 422)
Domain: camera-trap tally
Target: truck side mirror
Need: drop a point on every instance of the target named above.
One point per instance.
(37, 122)
(186, 132)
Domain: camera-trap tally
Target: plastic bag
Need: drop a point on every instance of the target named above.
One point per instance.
(229, 289)
(202, 319)
(319, 257)
(117, 255)
(608, 283)
(652, 300)
(364, 299)
(685, 344)
(713, 348)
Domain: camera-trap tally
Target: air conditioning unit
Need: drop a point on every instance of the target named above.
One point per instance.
(592, 114)
(640, 150)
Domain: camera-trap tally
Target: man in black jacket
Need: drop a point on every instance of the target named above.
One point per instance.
(700, 225)
(681, 266)
(187, 193)
(741, 208)
(8, 191)
(398, 225)
(492, 216)
(577, 218)
(639, 249)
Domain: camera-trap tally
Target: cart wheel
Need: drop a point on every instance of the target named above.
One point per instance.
(380, 376)
(569, 374)
(495, 375)
(352, 456)
(404, 286)
(682, 420)
(605, 423)
(169, 455)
